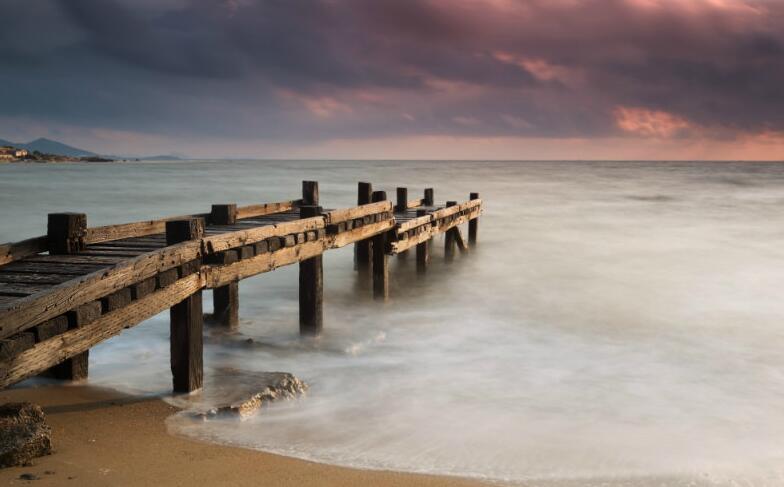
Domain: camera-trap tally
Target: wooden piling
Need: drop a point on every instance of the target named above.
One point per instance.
(380, 261)
(402, 200)
(422, 250)
(65, 235)
(311, 287)
(310, 193)
(449, 238)
(473, 225)
(187, 321)
(226, 299)
(429, 197)
(362, 249)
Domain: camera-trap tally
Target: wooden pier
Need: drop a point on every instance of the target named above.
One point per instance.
(67, 291)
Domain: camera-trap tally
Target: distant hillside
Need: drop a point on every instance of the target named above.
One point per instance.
(48, 146)
(160, 158)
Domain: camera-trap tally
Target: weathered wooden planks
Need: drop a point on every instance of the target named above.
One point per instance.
(415, 203)
(220, 242)
(362, 211)
(216, 276)
(11, 252)
(253, 211)
(436, 228)
(133, 229)
(32, 310)
(29, 278)
(73, 342)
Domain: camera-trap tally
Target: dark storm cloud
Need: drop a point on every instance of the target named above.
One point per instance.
(357, 68)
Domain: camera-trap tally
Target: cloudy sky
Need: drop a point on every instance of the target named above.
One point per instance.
(504, 79)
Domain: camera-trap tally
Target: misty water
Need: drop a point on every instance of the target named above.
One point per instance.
(619, 323)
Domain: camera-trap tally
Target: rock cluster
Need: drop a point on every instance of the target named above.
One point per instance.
(274, 386)
(24, 434)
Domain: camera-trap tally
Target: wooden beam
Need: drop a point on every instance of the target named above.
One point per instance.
(449, 236)
(310, 193)
(451, 210)
(360, 234)
(134, 229)
(402, 199)
(253, 211)
(187, 319)
(50, 352)
(429, 199)
(411, 204)
(435, 229)
(362, 211)
(12, 251)
(66, 232)
(422, 219)
(226, 241)
(225, 303)
(225, 299)
(66, 235)
(458, 238)
(380, 260)
(311, 287)
(422, 249)
(362, 250)
(217, 276)
(225, 214)
(473, 225)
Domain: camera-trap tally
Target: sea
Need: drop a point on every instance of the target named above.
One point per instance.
(618, 323)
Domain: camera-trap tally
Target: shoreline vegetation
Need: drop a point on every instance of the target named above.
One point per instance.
(10, 155)
(102, 437)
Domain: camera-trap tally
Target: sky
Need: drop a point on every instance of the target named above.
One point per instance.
(398, 79)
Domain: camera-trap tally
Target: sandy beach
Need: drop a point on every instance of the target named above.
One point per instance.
(105, 438)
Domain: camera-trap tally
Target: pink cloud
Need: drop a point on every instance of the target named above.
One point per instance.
(539, 68)
(649, 123)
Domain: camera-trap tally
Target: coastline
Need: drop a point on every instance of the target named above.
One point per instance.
(103, 437)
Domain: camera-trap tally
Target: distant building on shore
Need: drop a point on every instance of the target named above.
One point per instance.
(20, 153)
(7, 153)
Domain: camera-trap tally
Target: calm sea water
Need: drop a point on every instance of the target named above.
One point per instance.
(619, 323)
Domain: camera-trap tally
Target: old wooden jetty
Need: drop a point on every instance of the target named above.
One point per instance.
(67, 291)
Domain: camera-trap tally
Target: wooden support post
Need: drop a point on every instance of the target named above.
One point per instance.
(402, 200)
(225, 299)
(449, 238)
(362, 248)
(310, 193)
(187, 320)
(65, 235)
(380, 261)
(473, 225)
(223, 214)
(311, 287)
(429, 198)
(401, 206)
(422, 250)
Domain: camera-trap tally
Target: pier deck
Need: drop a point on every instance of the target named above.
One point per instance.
(65, 292)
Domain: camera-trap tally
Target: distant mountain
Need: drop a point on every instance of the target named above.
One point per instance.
(48, 146)
(160, 158)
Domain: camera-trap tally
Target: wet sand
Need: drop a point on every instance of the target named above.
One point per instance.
(105, 438)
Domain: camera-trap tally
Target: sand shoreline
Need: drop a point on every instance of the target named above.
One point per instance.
(106, 438)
